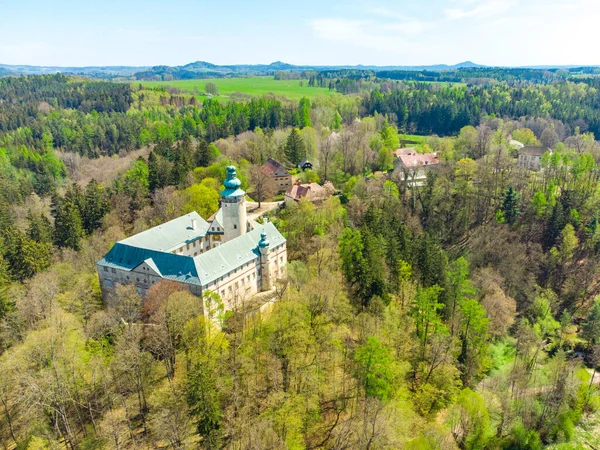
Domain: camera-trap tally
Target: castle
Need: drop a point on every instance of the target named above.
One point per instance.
(227, 254)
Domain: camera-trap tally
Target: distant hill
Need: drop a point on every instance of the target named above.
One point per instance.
(203, 69)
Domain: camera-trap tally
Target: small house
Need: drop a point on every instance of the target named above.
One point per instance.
(279, 174)
(305, 165)
(530, 157)
(312, 192)
(413, 166)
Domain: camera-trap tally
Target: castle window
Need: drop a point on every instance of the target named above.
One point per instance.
(106, 269)
(113, 270)
(195, 253)
(139, 290)
(235, 227)
(138, 279)
(188, 247)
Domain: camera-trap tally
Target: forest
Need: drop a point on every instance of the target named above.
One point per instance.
(462, 314)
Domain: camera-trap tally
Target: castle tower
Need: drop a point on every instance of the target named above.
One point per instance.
(265, 269)
(233, 205)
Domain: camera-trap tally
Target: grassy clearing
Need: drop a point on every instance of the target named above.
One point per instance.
(253, 86)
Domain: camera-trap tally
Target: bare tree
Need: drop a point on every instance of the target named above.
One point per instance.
(262, 184)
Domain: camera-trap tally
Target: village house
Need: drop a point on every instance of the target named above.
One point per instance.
(412, 166)
(312, 192)
(530, 157)
(305, 165)
(279, 174)
(230, 255)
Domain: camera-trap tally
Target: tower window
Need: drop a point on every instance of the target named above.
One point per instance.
(235, 227)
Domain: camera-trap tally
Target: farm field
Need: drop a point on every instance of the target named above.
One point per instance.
(253, 86)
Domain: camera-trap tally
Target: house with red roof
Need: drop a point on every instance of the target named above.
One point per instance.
(413, 166)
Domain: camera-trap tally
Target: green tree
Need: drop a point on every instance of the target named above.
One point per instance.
(202, 198)
(510, 205)
(39, 228)
(95, 206)
(68, 227)
(211, 88)
(469, 420)
(205, 154)
(425, 311)
(24, 256)
(6, 305)
(294, 148)
(374, 369)
(304, 113)
(591, 327)
(159, 171)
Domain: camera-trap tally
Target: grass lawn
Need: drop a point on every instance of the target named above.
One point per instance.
(254, 86)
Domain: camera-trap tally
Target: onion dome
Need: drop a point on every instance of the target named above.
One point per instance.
(232, 182)
(264, 242)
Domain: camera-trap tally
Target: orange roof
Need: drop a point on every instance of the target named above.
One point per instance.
(414, 159)
(310, 191)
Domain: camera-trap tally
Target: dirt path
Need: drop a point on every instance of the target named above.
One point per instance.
(254, 212)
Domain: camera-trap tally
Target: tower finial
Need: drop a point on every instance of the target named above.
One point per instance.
(232, 181)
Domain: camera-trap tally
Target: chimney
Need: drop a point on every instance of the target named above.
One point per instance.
(193, 224)
(265, 220)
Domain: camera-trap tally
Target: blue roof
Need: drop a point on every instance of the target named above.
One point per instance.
(232, 184)
(199, 270)
(169, 266)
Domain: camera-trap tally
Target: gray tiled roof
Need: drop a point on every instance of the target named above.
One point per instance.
(169, 235)
(199, 270)
(220, 260)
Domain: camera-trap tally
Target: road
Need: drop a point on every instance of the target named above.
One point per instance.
(254, 212)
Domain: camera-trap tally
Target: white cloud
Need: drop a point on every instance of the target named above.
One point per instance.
(388, 35)
(489, 8)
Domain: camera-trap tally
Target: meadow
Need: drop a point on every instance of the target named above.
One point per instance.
(253, 86)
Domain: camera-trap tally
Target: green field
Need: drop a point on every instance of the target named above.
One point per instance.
(254, 86)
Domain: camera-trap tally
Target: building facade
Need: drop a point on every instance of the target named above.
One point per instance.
(412, 167)
(279, 174)
(530, 157)
(227, 254)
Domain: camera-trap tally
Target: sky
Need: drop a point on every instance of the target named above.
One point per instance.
(310, 32)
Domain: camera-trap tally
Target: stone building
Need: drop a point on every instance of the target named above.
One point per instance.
(229, 255)
(279, 174)
(530, 157)
(412, 167)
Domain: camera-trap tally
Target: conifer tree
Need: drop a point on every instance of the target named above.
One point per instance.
(591, 328)
(39, 228)
(68, 228)
(95, 206)
(25, 257)
(159, 171)
(182, 163)
(294, 148)
(203, 157)
(510, 205)
(5, 302)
